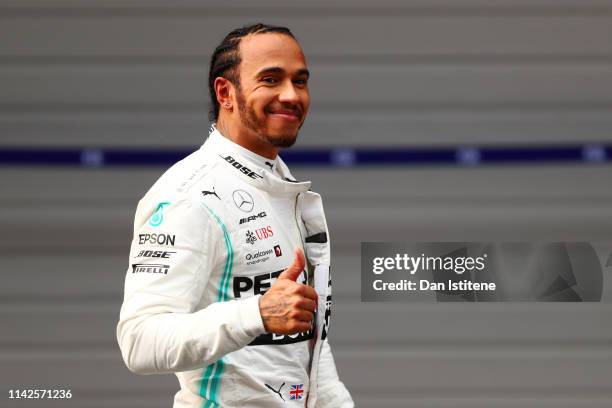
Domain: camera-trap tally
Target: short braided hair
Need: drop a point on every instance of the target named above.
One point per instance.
(225, 59)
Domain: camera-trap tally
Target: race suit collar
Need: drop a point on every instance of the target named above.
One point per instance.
(275, 178)
(251, 157)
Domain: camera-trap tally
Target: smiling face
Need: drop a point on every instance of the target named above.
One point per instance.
(272, 100)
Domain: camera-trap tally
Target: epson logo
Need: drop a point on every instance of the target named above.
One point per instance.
(150, 268)
(252, 218)
(160, 239)
(154, 254)
(245, 170)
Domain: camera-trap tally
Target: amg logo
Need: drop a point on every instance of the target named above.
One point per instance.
(154, 254)
(150, 268)
(241, 167)
(252, 218)
(160, 239)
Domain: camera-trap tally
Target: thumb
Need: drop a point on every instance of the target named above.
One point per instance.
(294, 270)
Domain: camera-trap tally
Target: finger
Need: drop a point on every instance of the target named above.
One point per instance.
(296, 268)
(304, 316)
(306, 304)
(299, 326)
(308, 292)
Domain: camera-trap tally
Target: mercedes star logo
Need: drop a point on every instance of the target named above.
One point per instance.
(243, 200)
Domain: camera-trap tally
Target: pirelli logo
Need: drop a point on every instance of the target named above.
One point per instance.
(150, 268)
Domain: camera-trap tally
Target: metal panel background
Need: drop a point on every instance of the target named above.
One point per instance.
(386, 73)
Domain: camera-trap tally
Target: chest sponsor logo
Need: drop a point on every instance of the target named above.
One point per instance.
(258, 285)
(264, 233)
(258, 257)
(159, 239)
(252, 218)
(150, 268)
(259, 234)
(154, 254)
(240, 167)
(250, 237)
(254, 285)
(272, 338)
(243, 200)
(158, 216)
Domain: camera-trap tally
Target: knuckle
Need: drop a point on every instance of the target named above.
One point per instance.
(280, 284)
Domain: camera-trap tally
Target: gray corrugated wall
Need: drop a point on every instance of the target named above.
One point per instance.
(133, 73)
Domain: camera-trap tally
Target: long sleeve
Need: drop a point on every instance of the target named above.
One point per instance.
(177, 251)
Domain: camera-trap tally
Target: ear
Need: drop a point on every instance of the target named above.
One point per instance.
(224, 91)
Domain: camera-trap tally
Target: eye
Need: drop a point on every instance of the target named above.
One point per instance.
(270, 80)
(301, 81)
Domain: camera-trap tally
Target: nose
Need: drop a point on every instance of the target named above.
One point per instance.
(289, 94)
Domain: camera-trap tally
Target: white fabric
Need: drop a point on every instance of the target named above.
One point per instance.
(210, 237)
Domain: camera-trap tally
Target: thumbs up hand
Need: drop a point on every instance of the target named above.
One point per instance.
(294, 270)
(288, 307)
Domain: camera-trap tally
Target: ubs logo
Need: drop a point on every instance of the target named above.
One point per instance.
(260, 234)
(263, 233)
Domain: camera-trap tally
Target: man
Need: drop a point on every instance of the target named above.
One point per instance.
(228, 284)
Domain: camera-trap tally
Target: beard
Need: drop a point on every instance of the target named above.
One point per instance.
(249, 120)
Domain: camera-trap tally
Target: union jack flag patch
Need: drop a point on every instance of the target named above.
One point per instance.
(296, 392)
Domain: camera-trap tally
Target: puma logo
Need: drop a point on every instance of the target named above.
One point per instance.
(275, 391)
(205, 193)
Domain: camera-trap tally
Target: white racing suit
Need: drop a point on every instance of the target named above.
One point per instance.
(210, 237)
